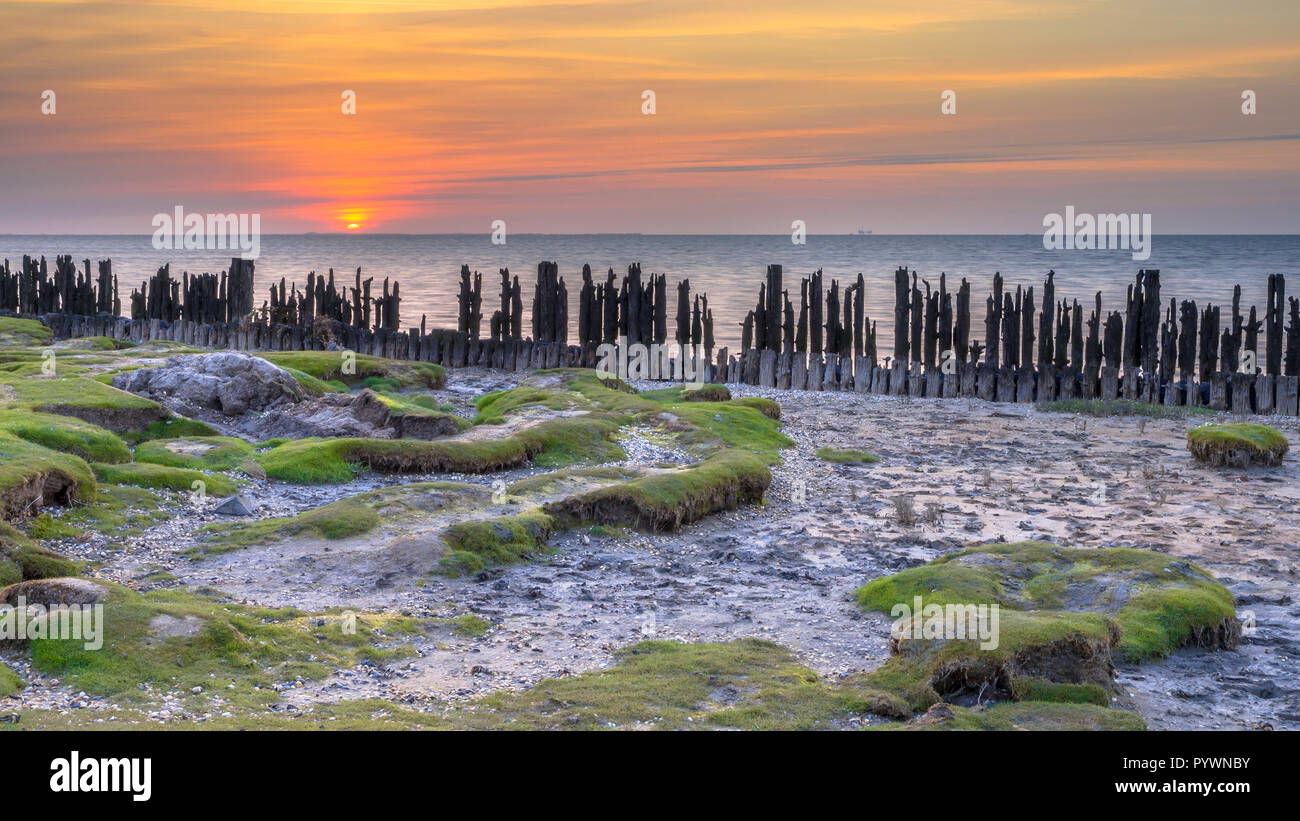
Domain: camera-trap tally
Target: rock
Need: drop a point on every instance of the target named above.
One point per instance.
(337, 414)
(362, 414)
(939, 713)
(62, 590)
(236, 505)
(230, 382)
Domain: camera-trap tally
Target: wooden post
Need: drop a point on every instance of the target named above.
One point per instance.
(1046, 373)
(1288, 395)
(1109, 383)
(1069, 381)
(799, 371)
(986, 381)
(1218, 391)
(951, 382)
(1240, 395)
(1025, 379)
(862, 374)
(933, 379)
(1264, 393)
(898, 378)
(880, 381)
(968, 373)
(767, 368)
(830, 381)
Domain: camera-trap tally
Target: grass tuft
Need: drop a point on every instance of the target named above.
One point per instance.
(163, 477)
(1236, 444)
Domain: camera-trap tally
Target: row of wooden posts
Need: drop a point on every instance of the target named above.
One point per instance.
(619, 308)
(829, 343)
(1238, 392)
(928, 328)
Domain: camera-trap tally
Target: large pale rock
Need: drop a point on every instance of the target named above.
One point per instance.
(230, 382)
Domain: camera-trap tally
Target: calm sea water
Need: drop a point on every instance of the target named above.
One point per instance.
(728, 268)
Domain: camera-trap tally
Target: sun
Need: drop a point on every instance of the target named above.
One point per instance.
(352, 219)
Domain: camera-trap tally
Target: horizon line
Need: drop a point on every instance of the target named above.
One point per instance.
(639, 234)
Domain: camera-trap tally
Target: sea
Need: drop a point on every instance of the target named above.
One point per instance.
(729, 268)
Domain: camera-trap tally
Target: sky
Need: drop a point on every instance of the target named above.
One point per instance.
(764, 113)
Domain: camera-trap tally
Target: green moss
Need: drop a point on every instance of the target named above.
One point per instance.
(767, 407)
(502, 540)
(707, 393)
(10, 683)
(1158, 621)
(122, 511)
(747, 683)
(66, 434)
(459, 563)
(1071, 648)
(381, 383)
(1122, 407)
(75, 395)
(22, 559)
(95, 343)
(553, 443)
(14, 331)
(314, 386)
(23, 463)
(666, 501)
(849, 455)
(736, 425)
(939, 582)
(694, 393)
(222, 643)
(327, 366)
(471, 625)
(1159, 603)
(163, 477)
(406, 405)
(196, 452)
(175, 427)
(494, 407)
(1035, 689)
(546, 483)
(337, 520)
(743, 424)
(1237, 444)
(344, 518)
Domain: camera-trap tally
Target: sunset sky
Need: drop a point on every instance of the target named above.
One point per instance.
(767, 112)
